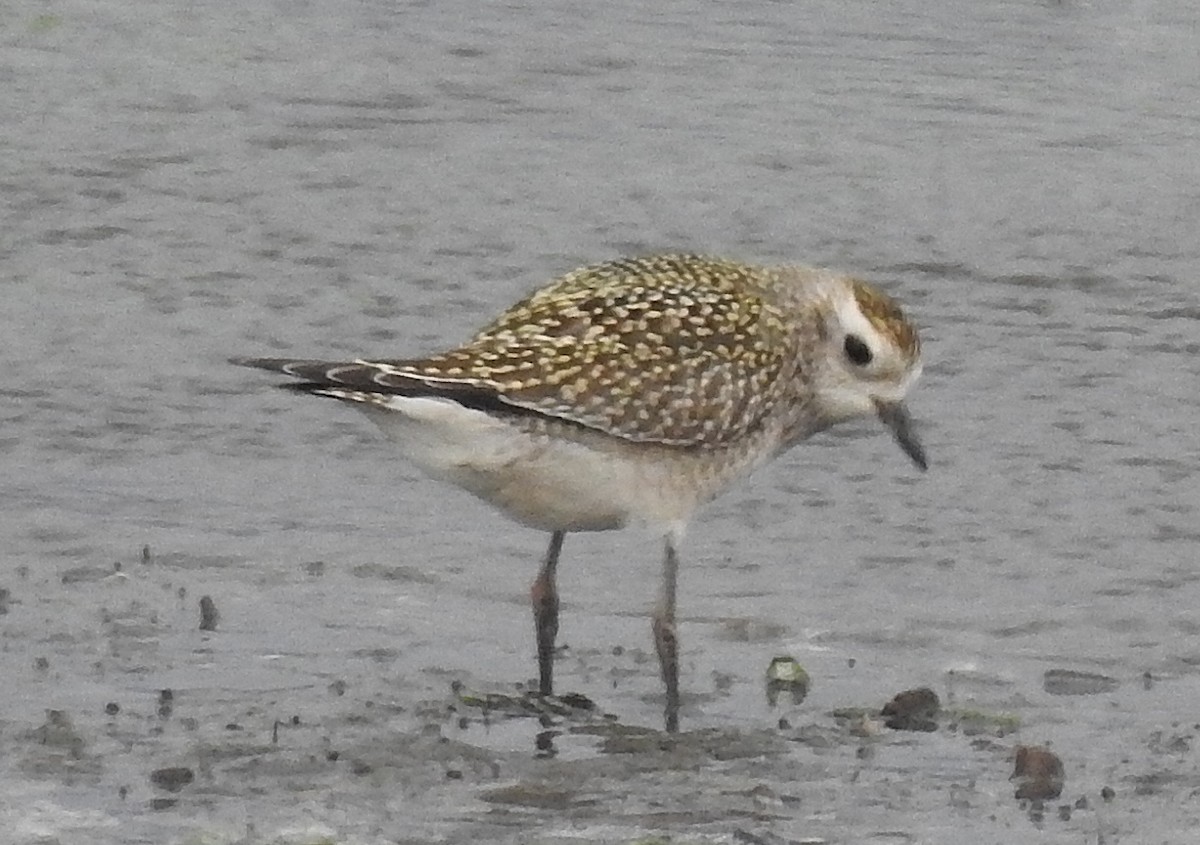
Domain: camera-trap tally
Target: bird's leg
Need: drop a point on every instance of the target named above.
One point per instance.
(544, 596)
(665, 640)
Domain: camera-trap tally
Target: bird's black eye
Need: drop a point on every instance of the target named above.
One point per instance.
(857, 350)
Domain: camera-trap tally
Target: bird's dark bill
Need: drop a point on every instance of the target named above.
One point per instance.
(895, 416)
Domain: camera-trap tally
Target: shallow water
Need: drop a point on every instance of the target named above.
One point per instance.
(188, 182)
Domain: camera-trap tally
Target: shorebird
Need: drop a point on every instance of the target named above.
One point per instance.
(635, 391)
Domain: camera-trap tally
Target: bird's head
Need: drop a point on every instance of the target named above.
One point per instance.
(871, 356)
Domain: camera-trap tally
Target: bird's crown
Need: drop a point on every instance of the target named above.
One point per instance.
(887, 318)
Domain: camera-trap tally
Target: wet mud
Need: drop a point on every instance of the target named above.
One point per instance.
(351, 750)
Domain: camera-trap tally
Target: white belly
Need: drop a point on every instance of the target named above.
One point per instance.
(581, 482)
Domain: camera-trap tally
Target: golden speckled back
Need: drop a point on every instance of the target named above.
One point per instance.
(677, 350)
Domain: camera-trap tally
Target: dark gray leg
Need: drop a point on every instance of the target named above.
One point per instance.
(544, 595)
(665, 639)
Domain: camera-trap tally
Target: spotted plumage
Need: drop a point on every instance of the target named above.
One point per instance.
(636, 389)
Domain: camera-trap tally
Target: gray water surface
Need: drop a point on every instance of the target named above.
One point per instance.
(183, 182)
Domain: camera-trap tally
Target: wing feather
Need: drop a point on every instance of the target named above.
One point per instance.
(677, 350)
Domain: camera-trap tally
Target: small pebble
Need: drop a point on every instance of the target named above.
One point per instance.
(912, 710)
(1039, 773)
(209, 617)
(172, 778)
(112, 708)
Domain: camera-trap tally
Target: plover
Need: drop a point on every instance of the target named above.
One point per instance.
(635, 391)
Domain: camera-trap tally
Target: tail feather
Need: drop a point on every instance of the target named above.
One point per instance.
(308, 370)
(356, 375)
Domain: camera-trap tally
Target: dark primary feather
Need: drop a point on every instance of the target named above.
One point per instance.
(318, 376)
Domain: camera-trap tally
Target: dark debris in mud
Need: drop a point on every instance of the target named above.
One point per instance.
(525, 703)
(1038, 773)
(172, 778)
(1072, 682)
(912, 710)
